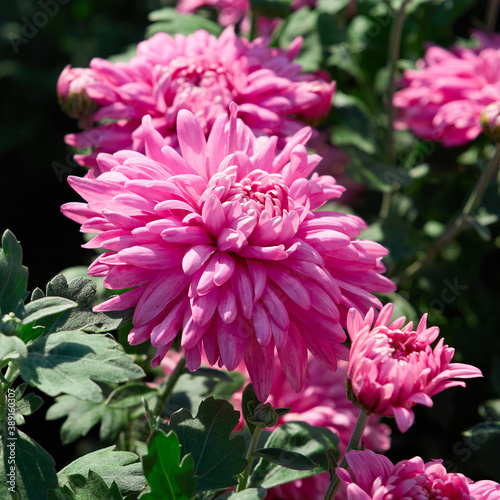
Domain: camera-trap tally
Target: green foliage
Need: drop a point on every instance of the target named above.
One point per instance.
(32, 467)
(82, 415)
(82, 291)
(93, 486)
(304, 439)
(13, 275)
(271, 8)
(168, 20)
(120, 467)
(169, 477)
(11, 348)
(286, 458)
(217, 454)
(248, 494)
(71, 363)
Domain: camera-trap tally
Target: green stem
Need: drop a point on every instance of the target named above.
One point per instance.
(253, 26)
(242, 483)
(393, 56)
(168, 386)
(491, 16)
(357, 433)
(11, 374)
(459, 223)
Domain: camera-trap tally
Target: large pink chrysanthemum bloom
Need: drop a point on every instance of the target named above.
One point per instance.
(221, 241)
(373, 476)
(392, 367)
(203, 74)
(445, 95)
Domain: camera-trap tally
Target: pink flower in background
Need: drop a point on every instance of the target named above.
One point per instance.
(203, 74)
(392, 368)
(221, 241)
(444, 97)
(373, 476)
(233, 11)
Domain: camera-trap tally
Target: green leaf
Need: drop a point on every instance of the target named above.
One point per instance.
(271, 8)
(304, 23)
(311, 442)
(13, 275)
(83, 292)
(168, 20)
(31, 466)
(342, 135)
(93, 487)
(29, 405)
(286, 458)
(83, 415)
(248, 494)
(193, 388)
(169, 478)
(332, 6)
(11, 348)
(121, 467)
(46, 307)
(130, 396)
(71, 363)
(217, 454)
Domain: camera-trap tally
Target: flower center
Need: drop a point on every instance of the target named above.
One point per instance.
(198, 85)
(261, 192)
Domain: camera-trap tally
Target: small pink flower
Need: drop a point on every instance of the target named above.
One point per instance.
(373, 476)
(73, 97)
(392, 367)
(445, 96)
(203, 74)
(221, 241)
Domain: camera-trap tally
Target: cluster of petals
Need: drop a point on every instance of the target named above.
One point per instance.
(392, 367)
(444, 97)
(374, 476)
(203, 74)
(221, 241)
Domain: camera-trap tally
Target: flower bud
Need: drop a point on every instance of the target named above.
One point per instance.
(10, 325)
(263, 415)
(490, 121)
(72, 94)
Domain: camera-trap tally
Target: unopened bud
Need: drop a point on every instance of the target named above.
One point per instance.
(263, 415)
(72, 94)
(490, 121)
(11, 325)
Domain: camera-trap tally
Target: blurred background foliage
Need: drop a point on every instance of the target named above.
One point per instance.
(420, 186)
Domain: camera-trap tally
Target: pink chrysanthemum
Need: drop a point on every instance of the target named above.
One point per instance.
(445, 96)
(203, 74)
(392, 367)
(221, 241)
(373, 476)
